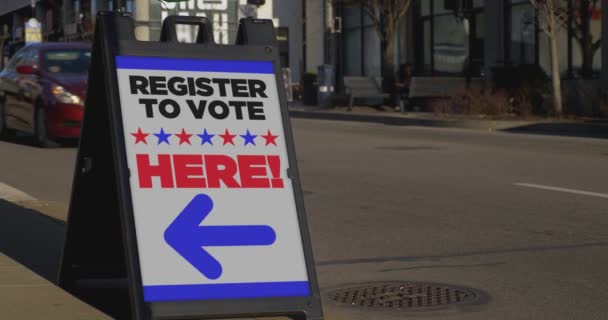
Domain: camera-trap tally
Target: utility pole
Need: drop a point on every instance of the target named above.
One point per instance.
(333, 31)
(330, 54)
(142, 20)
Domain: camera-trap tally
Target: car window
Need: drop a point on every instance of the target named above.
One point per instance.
(32, 57)
(17, 60)
(10, 50)
(67, 60)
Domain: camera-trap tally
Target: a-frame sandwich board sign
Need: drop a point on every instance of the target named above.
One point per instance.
(186, 199)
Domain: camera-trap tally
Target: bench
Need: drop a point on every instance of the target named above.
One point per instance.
(363, 88)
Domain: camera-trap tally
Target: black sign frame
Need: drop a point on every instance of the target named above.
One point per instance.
(100, 261)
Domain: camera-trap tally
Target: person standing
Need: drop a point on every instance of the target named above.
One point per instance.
(402, 86)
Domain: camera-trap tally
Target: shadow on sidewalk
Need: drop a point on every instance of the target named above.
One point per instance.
(31, 238)
(583, 130)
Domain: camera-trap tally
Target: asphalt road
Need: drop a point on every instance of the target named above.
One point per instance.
(522, 218)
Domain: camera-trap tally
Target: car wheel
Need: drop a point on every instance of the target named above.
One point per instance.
(4, 131)
(41, 131)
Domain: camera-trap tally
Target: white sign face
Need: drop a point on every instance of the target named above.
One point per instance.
(214, 209)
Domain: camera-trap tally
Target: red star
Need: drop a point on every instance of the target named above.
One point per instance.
(227, 137)
(270, 138)
(184, 137)
(140, 136)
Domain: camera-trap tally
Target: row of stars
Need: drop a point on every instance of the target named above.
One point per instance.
(206, 137)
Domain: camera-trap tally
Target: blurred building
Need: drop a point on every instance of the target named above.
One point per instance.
(481, 37)
(479, 40)
(72, 20)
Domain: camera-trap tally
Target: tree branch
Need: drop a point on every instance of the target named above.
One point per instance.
(370, 10)
(405, 5)
(372, 15)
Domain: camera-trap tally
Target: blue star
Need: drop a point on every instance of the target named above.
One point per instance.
(162, 136)
(206, 137)
(249, 138)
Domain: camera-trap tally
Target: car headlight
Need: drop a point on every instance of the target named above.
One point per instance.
(65, 96)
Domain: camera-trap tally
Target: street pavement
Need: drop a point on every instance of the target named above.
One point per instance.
(522, 218)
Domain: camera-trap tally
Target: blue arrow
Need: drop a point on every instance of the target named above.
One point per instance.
(187, 237)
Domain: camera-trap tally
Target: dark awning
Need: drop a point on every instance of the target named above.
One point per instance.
(7, 6)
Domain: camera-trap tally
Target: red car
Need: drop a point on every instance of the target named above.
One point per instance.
(42, 91)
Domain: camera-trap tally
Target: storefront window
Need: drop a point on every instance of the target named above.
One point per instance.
(586, 59)
(426, 50)
(523, 34)
(452, 38)
(544, 51)
(361, 43)
(352, 55)
(477, 43)
(425, 7)
(450, 47)
(371, 52)
(577, 55)
(352, 41)
(440, 8)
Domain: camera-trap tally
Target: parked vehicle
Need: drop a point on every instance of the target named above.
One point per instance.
(42, 91)
(9, 50)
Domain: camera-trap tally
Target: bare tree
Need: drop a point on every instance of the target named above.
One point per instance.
(549, 21)
(582, 13)
(385, 15)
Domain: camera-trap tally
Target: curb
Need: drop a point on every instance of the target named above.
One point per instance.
(409, 121)
(591, 129)
(11, 194)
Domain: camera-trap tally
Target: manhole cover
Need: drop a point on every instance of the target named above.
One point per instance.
(405, 296)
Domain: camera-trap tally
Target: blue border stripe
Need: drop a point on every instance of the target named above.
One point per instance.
(179, 64)
(226, 291)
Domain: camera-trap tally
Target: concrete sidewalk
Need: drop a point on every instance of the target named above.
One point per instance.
(24, 294)
(589, 129)
(28, 291)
